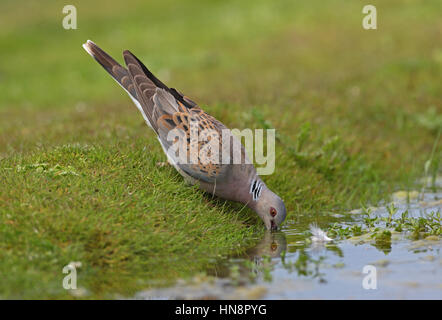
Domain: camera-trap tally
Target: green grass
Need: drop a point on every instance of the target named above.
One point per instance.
(357, 114)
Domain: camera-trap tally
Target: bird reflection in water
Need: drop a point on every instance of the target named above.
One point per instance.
(271, 245)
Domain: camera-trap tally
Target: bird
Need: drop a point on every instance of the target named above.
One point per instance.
(166, 110)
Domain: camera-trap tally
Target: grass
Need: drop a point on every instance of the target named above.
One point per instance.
(357, 114)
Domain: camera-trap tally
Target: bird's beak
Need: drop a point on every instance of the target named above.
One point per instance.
(270, 224)
(273, 225)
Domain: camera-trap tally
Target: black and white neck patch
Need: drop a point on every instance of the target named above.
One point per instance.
(255, 189)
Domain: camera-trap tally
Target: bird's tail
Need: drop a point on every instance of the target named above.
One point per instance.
(118, 72)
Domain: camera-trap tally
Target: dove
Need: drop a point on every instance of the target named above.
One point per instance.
(175, 119)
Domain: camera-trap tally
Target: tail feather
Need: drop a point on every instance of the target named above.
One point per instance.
(129, 57)
(140, 84)
(145, 86)
(118, 72)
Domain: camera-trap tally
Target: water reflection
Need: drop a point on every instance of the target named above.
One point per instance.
(288, 265)
(271, 245)
(291, 257)
(271, 253)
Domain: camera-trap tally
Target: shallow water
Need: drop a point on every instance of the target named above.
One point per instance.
(288, 265)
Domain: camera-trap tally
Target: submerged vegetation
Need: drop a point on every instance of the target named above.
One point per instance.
(381, 227)
(357, 116)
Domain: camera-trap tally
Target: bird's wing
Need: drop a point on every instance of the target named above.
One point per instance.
(193, 140)
(173, 116)
(166, 109)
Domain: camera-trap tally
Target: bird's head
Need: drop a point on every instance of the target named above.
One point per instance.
(271, 209)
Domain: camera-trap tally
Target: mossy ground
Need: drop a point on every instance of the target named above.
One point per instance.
(356, 112)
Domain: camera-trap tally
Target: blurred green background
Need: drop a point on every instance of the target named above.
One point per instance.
(357, 114)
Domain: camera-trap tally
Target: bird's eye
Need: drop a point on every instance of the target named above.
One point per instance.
(272, 211)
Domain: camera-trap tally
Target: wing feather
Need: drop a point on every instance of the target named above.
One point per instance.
(165, 110)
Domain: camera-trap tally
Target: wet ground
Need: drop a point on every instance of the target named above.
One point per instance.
(392, 251)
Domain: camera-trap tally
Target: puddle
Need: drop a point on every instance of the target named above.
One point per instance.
(289, 265)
